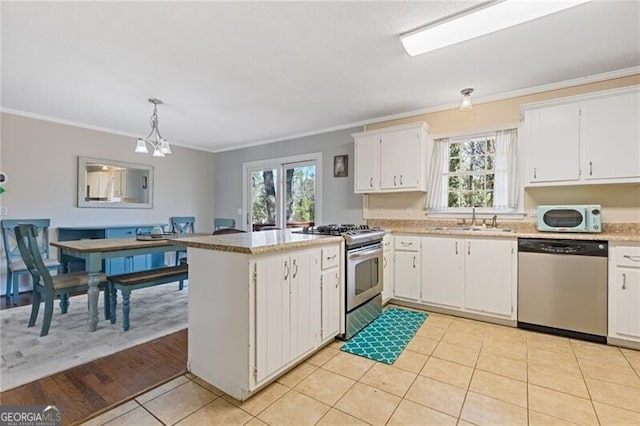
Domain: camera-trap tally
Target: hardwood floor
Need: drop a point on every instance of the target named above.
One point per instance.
(89, 389)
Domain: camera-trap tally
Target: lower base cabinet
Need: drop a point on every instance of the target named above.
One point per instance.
(624, 292)
(251, 317)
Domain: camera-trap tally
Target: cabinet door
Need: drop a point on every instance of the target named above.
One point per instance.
(554, 153)
(407, 275)
(400, 157)
(305, 306)
(330, 304)
(367, 163)
(610, 136)
(489, 276)
(626, 301)
(387, 276)
(443, 271)
(272, 315)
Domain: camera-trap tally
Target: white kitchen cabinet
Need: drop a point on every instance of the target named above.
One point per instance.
(587, 139)
(330, 284)
(407, 268)
(490, 276)
(392, 159)
(388, 265)
(99, 184)
(624, 292)
(443, 271)
(366, 163)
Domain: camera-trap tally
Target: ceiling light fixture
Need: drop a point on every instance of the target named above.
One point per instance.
(466, 104)
(489, 18)
(154, 138)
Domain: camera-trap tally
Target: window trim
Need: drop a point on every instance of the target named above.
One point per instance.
(281, 163)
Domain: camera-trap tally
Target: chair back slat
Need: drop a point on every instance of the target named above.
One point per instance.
(183, 224)
(27, 241)
(12, 253)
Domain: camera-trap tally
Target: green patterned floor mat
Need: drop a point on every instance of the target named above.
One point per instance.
(384, 339)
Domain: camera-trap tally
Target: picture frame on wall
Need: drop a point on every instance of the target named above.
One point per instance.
(341, 166)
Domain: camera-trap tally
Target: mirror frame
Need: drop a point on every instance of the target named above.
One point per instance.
(82, 183)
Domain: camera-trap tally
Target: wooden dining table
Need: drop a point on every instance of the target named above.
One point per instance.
(95, 251)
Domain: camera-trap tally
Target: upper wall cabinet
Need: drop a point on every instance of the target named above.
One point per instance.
(392, 159)
(584, 139)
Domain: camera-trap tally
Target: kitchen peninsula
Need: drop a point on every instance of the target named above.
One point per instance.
(259, 303)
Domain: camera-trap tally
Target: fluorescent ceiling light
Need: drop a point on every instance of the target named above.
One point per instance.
(477, 22)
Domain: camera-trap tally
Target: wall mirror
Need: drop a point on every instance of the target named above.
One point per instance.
(114, 184)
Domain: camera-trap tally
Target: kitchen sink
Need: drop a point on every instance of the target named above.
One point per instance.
(469, 228)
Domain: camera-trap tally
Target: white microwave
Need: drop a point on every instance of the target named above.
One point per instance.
(570, 218)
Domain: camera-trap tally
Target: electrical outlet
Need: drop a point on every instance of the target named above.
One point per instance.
(379, 212)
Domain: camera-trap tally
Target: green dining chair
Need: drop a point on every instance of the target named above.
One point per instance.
(15, 265)
(47, 287)
(182, 225)
(220, 223)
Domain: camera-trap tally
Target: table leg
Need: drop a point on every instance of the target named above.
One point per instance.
(93, 266)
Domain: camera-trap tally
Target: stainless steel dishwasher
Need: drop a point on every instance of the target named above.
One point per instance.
(562, 287)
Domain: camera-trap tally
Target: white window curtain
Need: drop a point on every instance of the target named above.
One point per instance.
(506, 190)
(437, 197)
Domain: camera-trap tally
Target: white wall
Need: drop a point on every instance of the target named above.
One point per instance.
(339, 203)
(41, 161)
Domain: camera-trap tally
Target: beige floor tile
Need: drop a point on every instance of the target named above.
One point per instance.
(389, 379)
(560, 361)
(368, 403)
(190, 376)
(622, 375)
(483, 410)
(463, 325)
(557, 380)
(336, 344)
(218, 412)
(410, 361)
(448, 372)
(294, 409)
(258, 402)
(349, 365)
(499, 387)
(464, 423)
(322, 356)
(633, 357)
(503, 333)
(422, 345)
(455, 353)
(179, 402)
(336, 417)
(409, 413)
(463, 339)
(256, 422)
(298, 374)
(614, 394)
(437, 395)
(540, 419)
(599, 352)
(505, 348)
(325, 386)
(562, 346)
(153, 393)
(138, 416)
(214, 390)
(609, 415)
(430, 332)
(562, 405)
(508, 367)
(438, 321)
(112, 414)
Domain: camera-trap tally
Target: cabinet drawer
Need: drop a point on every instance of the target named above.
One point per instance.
(121, 232)
(330, 257)
(407, 243)
(387, 242)
(627, 256)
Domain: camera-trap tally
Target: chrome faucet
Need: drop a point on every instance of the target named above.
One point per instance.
(494, 221)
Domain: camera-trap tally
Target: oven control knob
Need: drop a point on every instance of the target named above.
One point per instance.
(595, 211)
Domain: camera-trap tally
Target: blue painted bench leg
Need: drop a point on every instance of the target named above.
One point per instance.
(113, 301)
(126, 294)
(64, 303)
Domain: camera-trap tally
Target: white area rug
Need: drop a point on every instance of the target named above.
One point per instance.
(25, 356)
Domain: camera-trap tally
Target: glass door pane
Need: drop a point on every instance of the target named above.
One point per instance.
(300, 194)
(264, 198)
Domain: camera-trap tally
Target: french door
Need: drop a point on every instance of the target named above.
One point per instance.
(282, 193)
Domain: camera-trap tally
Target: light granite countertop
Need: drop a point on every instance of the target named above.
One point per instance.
(629, 232)
(256, 242)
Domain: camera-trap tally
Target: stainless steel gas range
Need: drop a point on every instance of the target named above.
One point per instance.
(363, 272)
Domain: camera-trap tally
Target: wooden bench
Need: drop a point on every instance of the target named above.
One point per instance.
(126, 283)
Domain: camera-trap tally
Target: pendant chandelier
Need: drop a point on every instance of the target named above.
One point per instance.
(154, 138)
(466, 104)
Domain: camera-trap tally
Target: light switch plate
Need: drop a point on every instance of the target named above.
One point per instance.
(239, 212)
(4, 211)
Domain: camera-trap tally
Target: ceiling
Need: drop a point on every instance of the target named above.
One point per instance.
(242, 73)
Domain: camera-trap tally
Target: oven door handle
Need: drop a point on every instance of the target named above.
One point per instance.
(365, 253)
